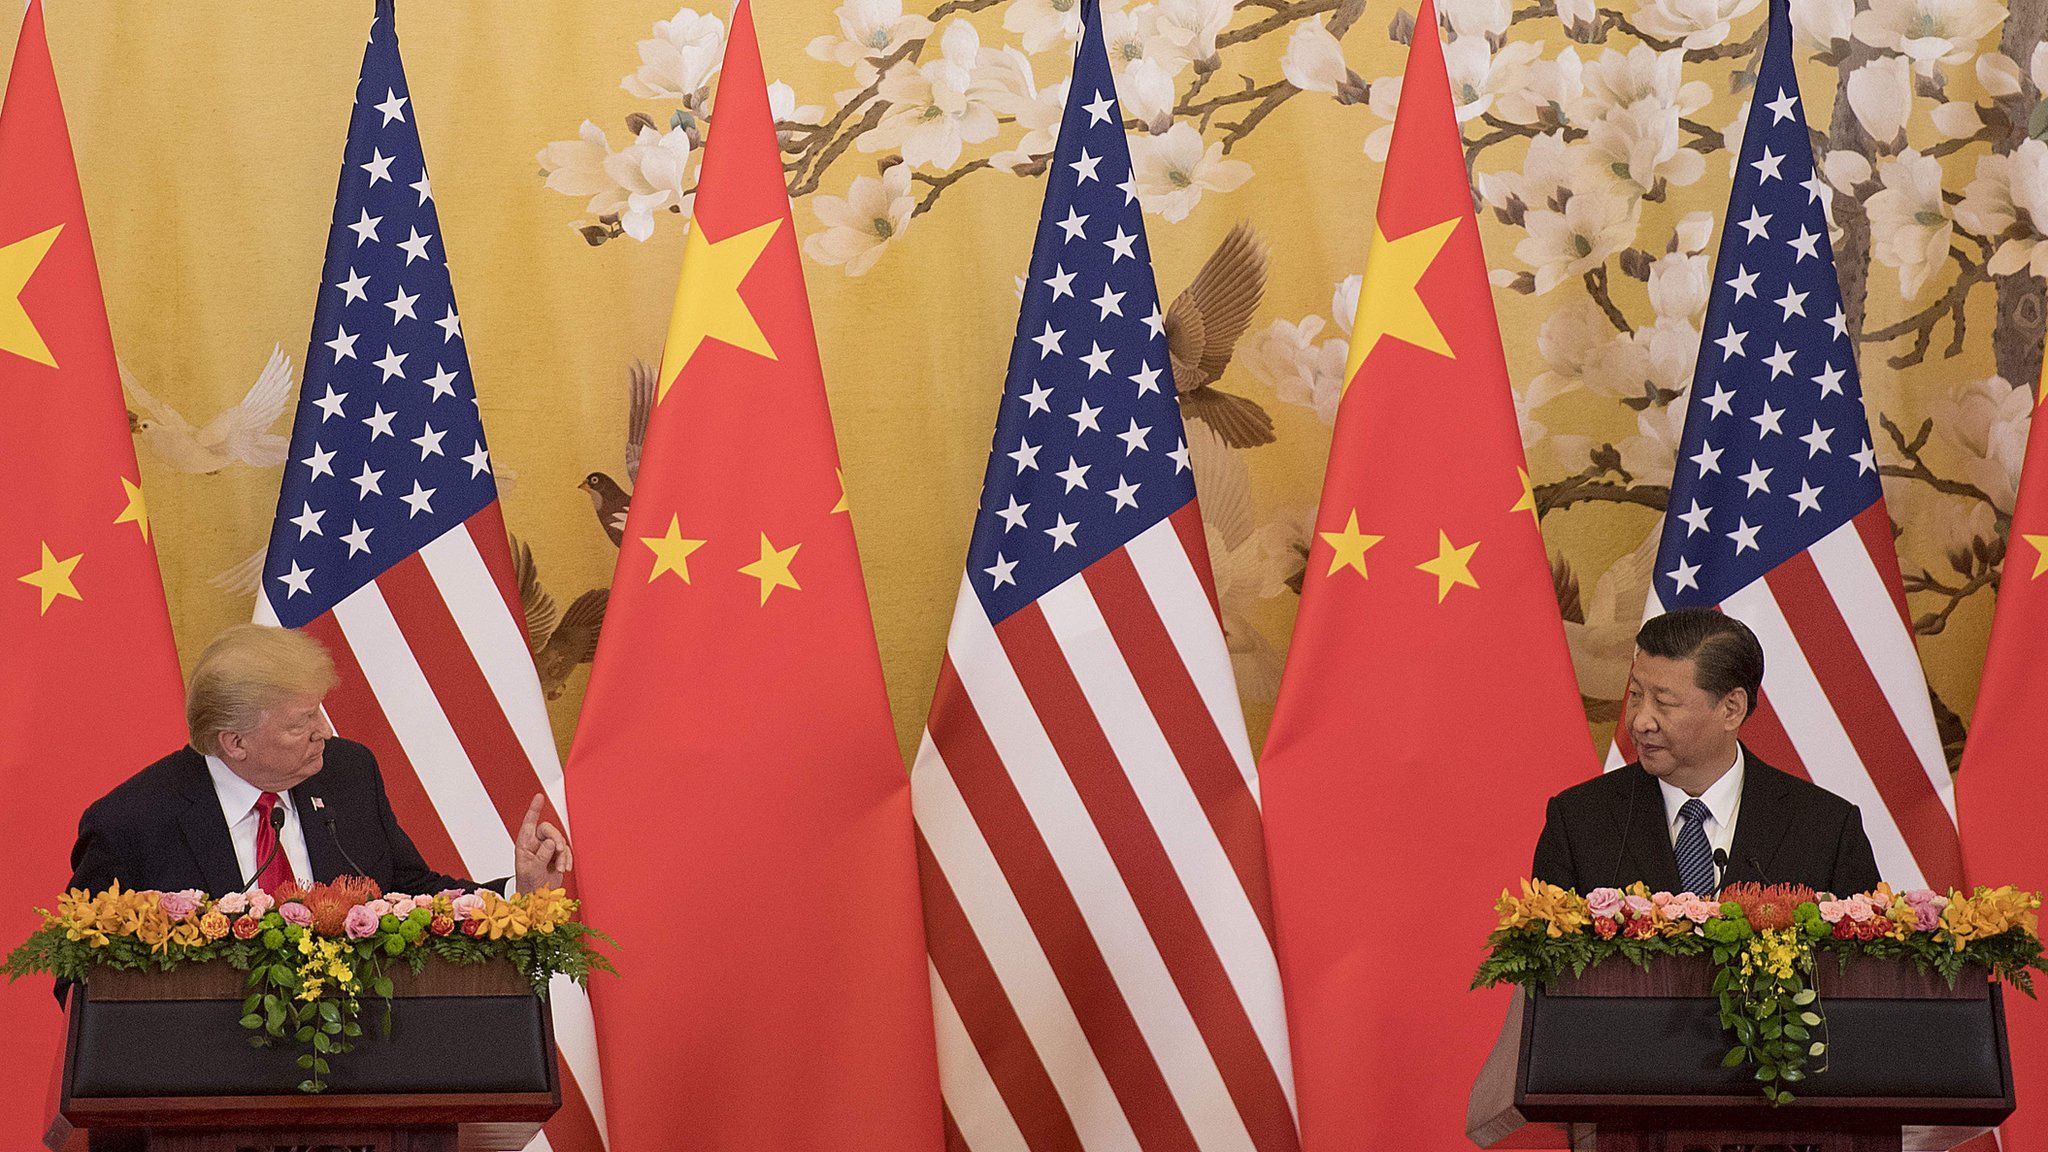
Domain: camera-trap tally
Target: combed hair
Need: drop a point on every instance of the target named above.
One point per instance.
(1725, 653)
(247, 670)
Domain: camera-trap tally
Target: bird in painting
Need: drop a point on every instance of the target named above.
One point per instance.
(607, 497)
(1202, 330)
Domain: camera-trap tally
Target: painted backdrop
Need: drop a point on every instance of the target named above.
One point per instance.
(564, 141)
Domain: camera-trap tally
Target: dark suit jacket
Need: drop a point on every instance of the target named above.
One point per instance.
(162, 828)
(1788, 830)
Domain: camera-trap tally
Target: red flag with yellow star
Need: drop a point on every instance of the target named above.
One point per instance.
(742, 812)
(2001, 805)
(1429, 706)
(89, 685)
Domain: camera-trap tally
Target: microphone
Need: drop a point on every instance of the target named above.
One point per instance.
(334, 834)
(276, 844)
(1720, 869)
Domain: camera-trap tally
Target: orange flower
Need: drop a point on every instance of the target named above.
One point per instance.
(152, 927)
(214, 924)
(1768, 908)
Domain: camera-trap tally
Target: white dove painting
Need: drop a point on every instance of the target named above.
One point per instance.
(239, 436)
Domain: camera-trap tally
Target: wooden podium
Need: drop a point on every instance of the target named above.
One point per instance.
(159, 1062)
(1623, 1060)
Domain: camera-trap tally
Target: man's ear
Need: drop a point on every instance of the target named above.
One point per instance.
(232, 746)
(1733, 709)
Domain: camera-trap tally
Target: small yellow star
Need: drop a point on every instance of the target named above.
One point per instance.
(53, 578)
(1450, 566)
(2040, 544)
(137, 511)
(708, 304)
(1388, 304)
(1528, 501)
(841, 506)
(772, 569)
(1347, 548)
(18, 262)
(671, 552)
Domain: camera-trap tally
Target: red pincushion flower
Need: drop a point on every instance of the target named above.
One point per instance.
(1605, 927)
(1845, 929)
(1768, 908)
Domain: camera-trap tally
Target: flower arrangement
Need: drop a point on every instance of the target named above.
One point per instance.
(311, 952)
(1763, 941)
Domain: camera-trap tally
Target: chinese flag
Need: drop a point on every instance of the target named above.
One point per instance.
(2001, 792)
(89, 684)
(1428, 707)
(742, 811)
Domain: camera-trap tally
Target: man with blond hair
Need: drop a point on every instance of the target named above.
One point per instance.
(266, 792)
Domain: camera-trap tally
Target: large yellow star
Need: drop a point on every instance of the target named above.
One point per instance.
(18, 262)
(841, 506)
(2040, 544)
(671, 552)
(1450, 566)
(137, 511)
(708, 304)
(1388, 304)
(53, 578)
(1347, 548)
(772, 569)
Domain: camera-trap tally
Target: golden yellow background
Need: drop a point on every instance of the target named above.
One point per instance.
(209, 136)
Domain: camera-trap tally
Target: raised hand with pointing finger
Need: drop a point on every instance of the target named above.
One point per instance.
(540, 854)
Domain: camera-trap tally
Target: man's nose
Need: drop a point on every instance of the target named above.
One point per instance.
(322, 731)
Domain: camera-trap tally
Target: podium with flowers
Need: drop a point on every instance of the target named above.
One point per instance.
(1772, 1020)
(331, 1017)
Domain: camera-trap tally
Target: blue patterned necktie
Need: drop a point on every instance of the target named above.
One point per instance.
(1695, 855)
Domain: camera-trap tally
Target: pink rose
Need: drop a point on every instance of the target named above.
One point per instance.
(1832, 911)
(1638, 905)
(379, 908)
(1859, 908)
(467, 905)
(177, 905)
(296, 913)
(1604, 902)
(452, 893)
(1699, 910)
(234, 903)
(360, 922)
(261, 902)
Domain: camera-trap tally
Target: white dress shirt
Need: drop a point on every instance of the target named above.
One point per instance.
(238, 804)
(1723, 799)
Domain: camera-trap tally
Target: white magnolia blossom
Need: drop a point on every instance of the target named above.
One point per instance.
(1577, 15)
(1732, 134)
(1549, 169)
(2010, 191)
(1551, 91)
(1314, 61)
(654, 175)
(1131, 35)
(1300, 368)
(1695, 230)
(1694, 23)
(935, 108)
(576, 168)
(1006, 79)
(1476, 17)
(1171, 171)
(1956, 119)
(1043, 23)
(1633, 102)
(782, 106)
(1651, 455)
(1846, 169)
(1146, 92)
(1937, 523)
(1679, 284)
(1881, 95)
(1598, 220)
(681, 60)
(1928, 32)
(1344, 302)
(869, 30)
(1642, 144)
(1998, 74)
(1383, 97)
(1817, 24)
(1909, 222)
(2037, 66)
(859, 226)
(1190, 27)
(1571, 339)
(1985, 422)
(1478, 74)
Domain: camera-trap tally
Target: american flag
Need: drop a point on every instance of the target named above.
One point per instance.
(1099, 927)
(388, 543)
(1776, 514)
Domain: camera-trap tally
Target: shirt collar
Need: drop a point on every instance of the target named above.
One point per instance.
(1719, 798)
(237, 796)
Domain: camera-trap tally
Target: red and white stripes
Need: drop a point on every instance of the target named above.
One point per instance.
(1100, 931)
(437, 680)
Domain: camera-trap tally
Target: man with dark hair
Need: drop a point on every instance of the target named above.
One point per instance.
(1699, 810)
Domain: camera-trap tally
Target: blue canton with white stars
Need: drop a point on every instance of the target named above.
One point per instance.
(387, 449)
(1776, 452)
(1089, 450)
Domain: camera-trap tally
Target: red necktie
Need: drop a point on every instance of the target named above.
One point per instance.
(278, 872)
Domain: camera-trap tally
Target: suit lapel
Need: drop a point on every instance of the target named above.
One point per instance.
(1763, 821)
(310, 803)
(205, 828)
(1648, 851)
